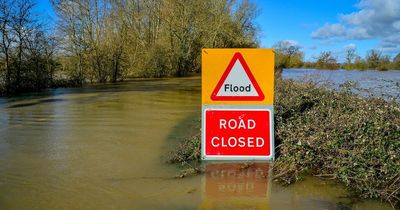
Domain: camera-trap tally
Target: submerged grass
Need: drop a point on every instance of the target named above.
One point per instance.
(329, 134)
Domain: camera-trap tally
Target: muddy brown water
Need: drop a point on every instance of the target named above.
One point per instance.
(104, 146)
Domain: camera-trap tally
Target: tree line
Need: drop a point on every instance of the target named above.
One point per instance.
(26, 50)
(289, 55)
(111, 40)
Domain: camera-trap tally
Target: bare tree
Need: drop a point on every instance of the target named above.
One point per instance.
(288, 54)
(396, 62)
(24, 47)
(374, 58)
(111, 39)
(6, 38)
(326, 60)
(22, 26)
(350, 56)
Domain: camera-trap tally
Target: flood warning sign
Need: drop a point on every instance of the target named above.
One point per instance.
(237, 83)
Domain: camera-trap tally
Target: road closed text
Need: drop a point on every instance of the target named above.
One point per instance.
(237, 142)
(240, 141)
(233, 132)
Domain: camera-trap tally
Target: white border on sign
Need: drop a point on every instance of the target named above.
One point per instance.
(237, 157)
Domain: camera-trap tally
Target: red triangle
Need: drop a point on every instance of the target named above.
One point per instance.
(237, 56)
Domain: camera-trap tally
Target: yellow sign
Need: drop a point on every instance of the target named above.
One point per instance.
(238, 76)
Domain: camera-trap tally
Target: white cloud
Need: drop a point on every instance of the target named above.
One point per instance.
(390, 44)
(291, 42)
(375, 19)
(396, 25)
(394, 38)
(329, 30)
(350, 46)
(358, 33)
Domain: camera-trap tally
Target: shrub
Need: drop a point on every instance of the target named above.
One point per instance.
(338, 135)
(331, 134)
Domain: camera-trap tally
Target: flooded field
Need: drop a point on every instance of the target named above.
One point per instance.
(374, 83)
(104, 146)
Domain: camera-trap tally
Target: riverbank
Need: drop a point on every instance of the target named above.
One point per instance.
(335, 135)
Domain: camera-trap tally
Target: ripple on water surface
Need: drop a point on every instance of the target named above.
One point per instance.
(101, 147)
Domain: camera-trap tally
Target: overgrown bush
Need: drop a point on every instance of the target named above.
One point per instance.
(336, 135)
(187, 151)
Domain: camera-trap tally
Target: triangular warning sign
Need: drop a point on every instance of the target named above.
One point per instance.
(237, 83)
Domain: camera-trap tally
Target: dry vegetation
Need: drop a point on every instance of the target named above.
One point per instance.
(334, 135)
(339, 136)
(107, 40)
(110, 40)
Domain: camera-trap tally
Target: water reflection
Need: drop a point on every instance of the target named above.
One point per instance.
(235, 186)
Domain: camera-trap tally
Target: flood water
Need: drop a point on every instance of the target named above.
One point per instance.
(104, 147)
(374, 83)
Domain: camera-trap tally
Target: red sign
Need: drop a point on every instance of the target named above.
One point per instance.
(237, 132)
(237, 83)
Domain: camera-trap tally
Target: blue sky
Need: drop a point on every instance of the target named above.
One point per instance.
(321, 25)
(334, 25)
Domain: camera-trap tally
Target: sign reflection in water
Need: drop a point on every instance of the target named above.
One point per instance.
(235, 186)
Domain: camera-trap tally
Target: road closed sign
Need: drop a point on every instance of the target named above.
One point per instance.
(237, 104)
(237, 132)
